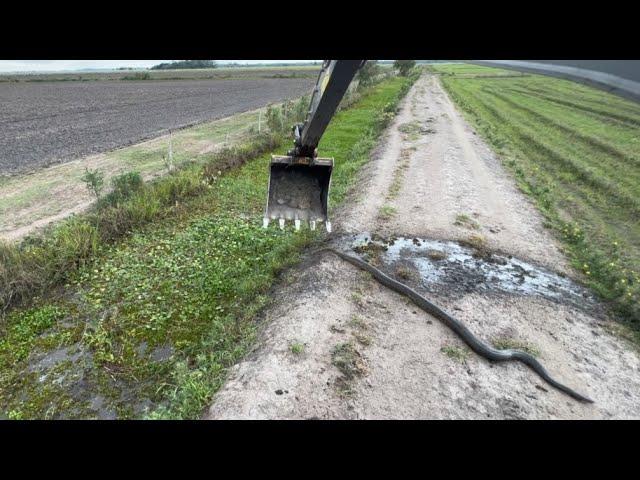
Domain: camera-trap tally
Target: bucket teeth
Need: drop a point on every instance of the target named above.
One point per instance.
(282, 222)
(298, 191)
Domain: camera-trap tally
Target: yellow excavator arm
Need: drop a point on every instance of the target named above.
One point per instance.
(299, 181)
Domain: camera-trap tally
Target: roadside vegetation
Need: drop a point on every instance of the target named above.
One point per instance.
(137, 308)
(404, 67)
(576, 151)
(45, 193)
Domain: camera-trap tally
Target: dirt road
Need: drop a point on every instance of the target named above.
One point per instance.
(339, 345)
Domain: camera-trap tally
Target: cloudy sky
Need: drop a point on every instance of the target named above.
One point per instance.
(61, 65)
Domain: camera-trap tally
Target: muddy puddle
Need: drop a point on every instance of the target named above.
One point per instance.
(447, 268)
(71, 368)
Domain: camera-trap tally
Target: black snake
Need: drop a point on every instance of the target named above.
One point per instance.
(463, 332)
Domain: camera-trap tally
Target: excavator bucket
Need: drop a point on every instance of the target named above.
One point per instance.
(298, 191)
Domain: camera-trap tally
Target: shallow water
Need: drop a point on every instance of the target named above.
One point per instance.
(448, 267)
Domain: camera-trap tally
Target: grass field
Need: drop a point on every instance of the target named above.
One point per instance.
(149, 324)
(576, 151)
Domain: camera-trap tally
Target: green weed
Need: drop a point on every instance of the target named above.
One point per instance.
(387, 212)
(458, 354)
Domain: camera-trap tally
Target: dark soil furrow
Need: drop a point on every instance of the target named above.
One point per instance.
(49, 122)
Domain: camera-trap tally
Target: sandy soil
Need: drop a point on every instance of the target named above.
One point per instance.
(402, 371)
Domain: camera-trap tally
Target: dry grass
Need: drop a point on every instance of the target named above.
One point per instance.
(436, 255)
(348, 360)
(464, 220)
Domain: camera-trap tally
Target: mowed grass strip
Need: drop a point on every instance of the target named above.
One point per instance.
(149, 327)
(576, 151)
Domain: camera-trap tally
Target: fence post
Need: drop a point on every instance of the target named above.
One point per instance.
(170, 150)
(259, 119)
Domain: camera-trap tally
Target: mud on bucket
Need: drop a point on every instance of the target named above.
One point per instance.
(298, 190)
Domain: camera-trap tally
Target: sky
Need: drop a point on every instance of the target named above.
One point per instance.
(62, 65)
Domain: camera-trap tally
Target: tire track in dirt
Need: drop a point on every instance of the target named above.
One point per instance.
(411, 365)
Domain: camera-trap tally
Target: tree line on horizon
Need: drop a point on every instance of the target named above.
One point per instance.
(183, 64)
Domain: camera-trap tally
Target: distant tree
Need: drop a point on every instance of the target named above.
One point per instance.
(181, 64)
(404, 66)
(368, 72)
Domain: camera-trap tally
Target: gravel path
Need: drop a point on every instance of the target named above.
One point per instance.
(404, 363)
(42, 123)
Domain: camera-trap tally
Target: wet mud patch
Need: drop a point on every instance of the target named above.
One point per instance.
(451, 268)
(65, 382)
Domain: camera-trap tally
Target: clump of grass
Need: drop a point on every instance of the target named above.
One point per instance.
(360, 330)
(459, 354)
(371, 249)
(478, 243)
(387, 212)
(358, 322)
(398, 174)
(357, 298)
(348, 360)
(464, 220)
(436, 255)
(405, 273)
(296, 348)
(411, 129)
(280, 118)
(509, 343)
(396, 185)
(365, 276)
(123, 186)
(94, 180)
